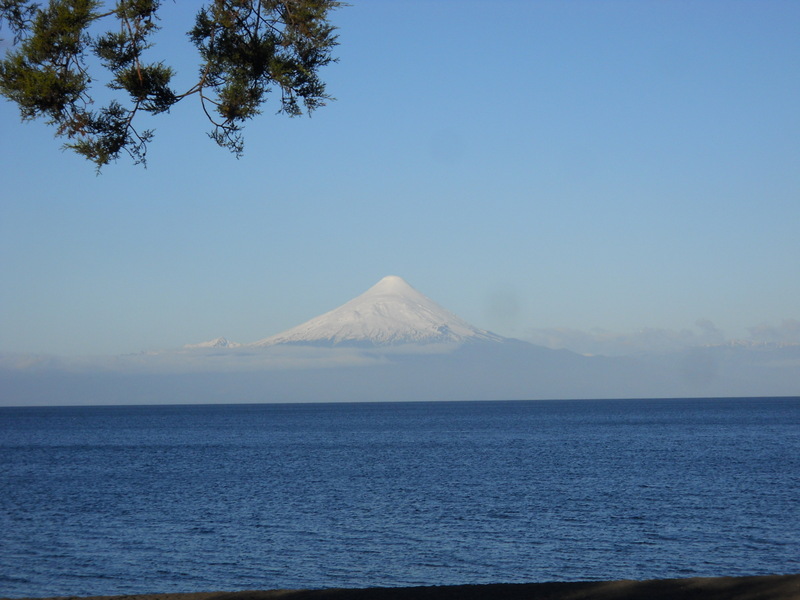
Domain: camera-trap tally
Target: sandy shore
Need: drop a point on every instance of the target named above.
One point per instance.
(772, 587)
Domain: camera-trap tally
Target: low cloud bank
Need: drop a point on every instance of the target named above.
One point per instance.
(230, 359)
(201, 360)
(788, 332)
(512, 370)
(658, 341)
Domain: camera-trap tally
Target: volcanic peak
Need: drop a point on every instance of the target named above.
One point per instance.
(389, 313)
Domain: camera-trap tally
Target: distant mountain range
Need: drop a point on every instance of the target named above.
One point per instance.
(392, 343)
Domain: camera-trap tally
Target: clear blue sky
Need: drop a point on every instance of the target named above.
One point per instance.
(528, 165)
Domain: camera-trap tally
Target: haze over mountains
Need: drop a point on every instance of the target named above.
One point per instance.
(392, 343)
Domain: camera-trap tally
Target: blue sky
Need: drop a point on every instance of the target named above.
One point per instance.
(529, 165)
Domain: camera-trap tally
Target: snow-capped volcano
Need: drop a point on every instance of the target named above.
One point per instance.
(389, 313)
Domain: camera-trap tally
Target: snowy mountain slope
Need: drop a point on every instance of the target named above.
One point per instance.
(219, 342)
(389, 313)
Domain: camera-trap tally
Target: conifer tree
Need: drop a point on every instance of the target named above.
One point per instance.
(247, 48)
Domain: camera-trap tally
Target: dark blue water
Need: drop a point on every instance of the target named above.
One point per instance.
(119, 500)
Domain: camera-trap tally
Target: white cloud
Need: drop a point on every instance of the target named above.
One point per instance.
(609, 343)
(658, 341)
(788, 332)
(225, 359)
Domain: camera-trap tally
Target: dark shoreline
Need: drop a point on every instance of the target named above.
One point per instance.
(767, 587)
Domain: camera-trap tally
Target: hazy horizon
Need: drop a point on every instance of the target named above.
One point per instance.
(608, 177)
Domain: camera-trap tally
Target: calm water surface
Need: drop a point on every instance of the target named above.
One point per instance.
(120, 500)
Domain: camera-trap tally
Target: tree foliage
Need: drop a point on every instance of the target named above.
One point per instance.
(247, 48)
